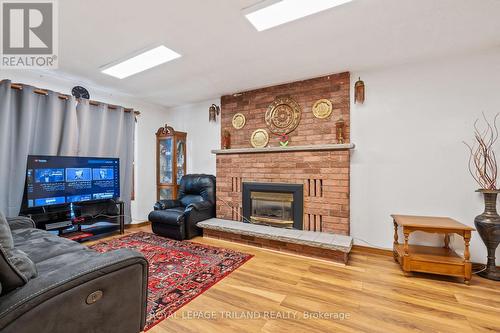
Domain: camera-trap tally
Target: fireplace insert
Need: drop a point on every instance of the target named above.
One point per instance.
(273, 204)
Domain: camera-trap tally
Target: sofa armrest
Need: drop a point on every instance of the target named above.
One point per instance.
(201, 205)
(167, 204)
(20, 222)
(121, 275)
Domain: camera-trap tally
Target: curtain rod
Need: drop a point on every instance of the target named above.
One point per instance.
(19, 86)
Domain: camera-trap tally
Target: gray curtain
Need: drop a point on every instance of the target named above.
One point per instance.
(35, 124)
(108, 133)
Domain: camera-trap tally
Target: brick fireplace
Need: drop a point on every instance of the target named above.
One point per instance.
(323, 173)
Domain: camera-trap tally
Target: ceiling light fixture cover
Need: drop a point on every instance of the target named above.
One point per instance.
(146, 60)
(275, 13)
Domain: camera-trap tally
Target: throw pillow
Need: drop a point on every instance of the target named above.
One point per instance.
(6, 240)
(16, 268)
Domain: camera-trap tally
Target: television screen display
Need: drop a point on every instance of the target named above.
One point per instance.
(57, 180)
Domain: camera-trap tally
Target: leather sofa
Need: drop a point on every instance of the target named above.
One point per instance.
(76, 289)
(196, 202)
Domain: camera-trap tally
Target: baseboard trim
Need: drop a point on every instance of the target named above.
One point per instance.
(373, 250)
(137, 225)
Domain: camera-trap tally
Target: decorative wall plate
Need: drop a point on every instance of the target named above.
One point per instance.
(239, 121)
(260, 138)
(283, 115)
(322, 108)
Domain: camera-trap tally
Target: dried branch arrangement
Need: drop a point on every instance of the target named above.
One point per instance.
(482, 158)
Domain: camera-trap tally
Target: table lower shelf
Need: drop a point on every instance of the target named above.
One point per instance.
(435, 260)
(430, 253)
(88, 232)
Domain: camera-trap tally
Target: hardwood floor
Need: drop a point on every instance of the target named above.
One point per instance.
(372, 294)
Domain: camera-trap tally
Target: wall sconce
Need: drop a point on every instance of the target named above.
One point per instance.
(213, 112)
(359, 92)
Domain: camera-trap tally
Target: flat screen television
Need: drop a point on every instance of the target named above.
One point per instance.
(60, 180)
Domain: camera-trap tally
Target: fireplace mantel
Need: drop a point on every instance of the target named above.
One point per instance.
(345, 146)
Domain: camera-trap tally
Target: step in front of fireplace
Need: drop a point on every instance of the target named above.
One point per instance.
(307, 243)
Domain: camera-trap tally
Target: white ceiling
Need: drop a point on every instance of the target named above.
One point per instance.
(223, 53)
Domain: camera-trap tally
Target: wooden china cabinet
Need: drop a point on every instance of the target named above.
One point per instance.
(170, 161)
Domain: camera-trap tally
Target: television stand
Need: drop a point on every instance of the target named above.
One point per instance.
(94, 220)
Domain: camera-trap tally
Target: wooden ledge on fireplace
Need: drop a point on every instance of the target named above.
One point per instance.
(334, 146)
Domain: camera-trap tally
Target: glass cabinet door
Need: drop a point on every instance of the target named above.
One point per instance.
(170, 161)
(165, 193)
(181, 159)
(165, 160)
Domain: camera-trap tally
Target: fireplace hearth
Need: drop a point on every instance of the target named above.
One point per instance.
(273, 204)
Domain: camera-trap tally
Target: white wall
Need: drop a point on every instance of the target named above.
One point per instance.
(152, 117)
(150, 120)
(202, 135)
(409, 156)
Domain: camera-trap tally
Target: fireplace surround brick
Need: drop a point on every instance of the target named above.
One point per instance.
(324, 174)
(253, 104)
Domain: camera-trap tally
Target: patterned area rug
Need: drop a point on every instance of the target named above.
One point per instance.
(178, 271)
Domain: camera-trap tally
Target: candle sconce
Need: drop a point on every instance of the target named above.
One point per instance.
(340, 127)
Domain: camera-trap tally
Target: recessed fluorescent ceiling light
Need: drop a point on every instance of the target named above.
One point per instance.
(146, 60)
(285, 11)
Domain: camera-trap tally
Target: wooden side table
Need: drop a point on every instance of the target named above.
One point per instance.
(428, 259)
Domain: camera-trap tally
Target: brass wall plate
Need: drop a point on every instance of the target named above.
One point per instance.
(259, 138)
(283, 115)
(239, 121)
(322, 108)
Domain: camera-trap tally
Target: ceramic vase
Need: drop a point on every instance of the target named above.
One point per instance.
(488, 227)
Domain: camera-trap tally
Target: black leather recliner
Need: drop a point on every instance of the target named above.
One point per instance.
(196, 202)
(60, 298)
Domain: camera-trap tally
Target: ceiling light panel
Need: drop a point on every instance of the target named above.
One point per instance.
(144, 61)
(284, 11)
